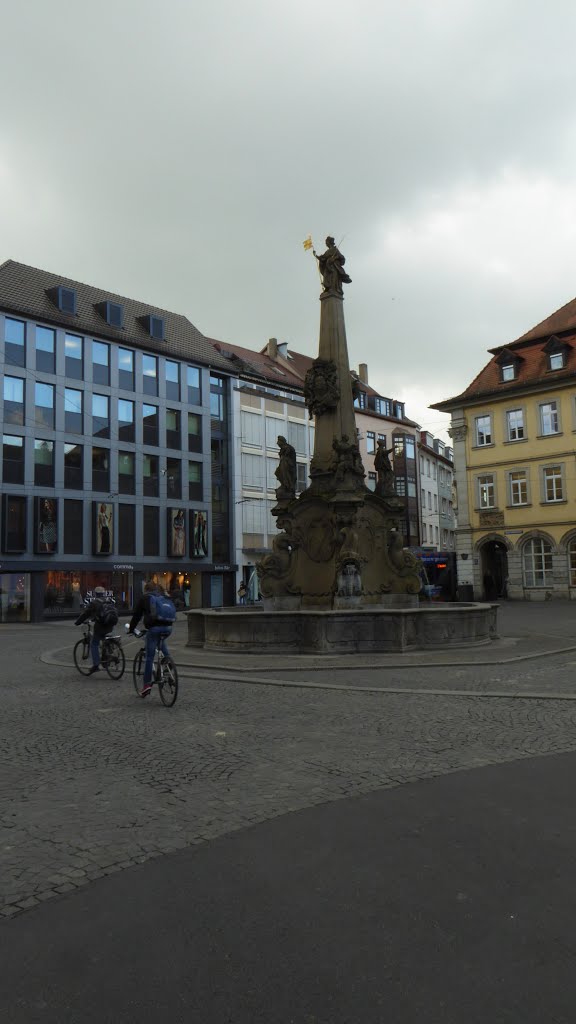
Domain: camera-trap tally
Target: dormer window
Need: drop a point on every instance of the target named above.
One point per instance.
(556, 352)
(111, 312)
(509, 363)
(63, 298)
(155, 326)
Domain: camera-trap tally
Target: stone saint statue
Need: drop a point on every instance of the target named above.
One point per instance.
(385, 473)
(286, 470)
(331, 265)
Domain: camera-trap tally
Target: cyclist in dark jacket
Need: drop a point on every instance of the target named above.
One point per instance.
(155, 633)
(100, 631)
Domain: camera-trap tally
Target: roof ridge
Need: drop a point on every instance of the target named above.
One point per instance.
(94, 288)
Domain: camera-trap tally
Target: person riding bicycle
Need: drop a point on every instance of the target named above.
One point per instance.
(101, 611)
(158, 614)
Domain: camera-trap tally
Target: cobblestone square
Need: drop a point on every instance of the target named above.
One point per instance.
(94, 780)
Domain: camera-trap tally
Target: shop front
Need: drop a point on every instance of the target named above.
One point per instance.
(65, 590)
(14, 597)
(44, 593)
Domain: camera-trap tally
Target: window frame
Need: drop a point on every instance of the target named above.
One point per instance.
(482, 505)
(545, 478)
(546, 572)
(511, 484)
(508, 428)
(477, 442)
(541, 406)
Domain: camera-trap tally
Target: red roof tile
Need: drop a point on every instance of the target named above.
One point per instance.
(532, 370)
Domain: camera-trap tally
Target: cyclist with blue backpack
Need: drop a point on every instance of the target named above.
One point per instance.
(158, 613)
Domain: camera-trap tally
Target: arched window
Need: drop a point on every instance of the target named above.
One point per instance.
(572, 562)
(537, 563)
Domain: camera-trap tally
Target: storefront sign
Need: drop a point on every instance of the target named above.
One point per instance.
(222, 568)
(118, 568)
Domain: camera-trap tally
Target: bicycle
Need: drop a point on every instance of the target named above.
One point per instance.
(164, 671)
(112, 656)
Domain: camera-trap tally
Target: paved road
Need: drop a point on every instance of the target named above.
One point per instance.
(446, 902)
(94, 781)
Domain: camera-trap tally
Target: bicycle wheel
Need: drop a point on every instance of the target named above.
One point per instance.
(82, 658)
(138, 671)
(114, 659)
(168, 683)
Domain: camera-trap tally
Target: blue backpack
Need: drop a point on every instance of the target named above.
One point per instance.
(162, 610)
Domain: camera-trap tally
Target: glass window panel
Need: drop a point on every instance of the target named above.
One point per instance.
(73, 411)
(518, 488)
(173, 431)
(172, 380)
(73, 526)
(15, 338)
(126, 369)
(150, 424)
(553, 490)
(174, 478)
(195, 485)
(73, 356)
(14, 400)
(556, 360)
(193, 385)
(537, 563)
(508, 372)
(194, 432)
(572, 562)
(126, 529)
(100, 416)
(100, 469)
(14, 523)
(151, 524)
(549, 422)
(486, 491)
(150, 476)
(150, 374)
(13, 459)
(44, 404)
(370, 442)
(44, 463)
(45, 349)
(100, 362)
(73, 467)
(483, 430)
(126, 473)
(126, 429)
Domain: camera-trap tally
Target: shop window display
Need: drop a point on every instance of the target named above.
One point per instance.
(14, 597)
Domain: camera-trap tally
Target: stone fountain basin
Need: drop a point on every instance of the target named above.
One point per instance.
(257, 630)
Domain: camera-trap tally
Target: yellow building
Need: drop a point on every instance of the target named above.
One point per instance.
(514, 436)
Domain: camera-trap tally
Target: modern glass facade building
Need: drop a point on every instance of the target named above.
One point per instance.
(116, 442)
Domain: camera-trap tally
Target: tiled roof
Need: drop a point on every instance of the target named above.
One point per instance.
(23, 293)
(258, 365)
(564, 319)
(532, 370)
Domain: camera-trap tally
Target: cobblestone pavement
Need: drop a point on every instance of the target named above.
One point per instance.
(93, 780)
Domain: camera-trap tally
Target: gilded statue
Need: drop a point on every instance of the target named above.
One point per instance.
(331, 264)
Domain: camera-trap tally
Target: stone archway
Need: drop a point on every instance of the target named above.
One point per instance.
(494, 567)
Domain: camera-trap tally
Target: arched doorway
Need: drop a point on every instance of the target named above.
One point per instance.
(494, 564)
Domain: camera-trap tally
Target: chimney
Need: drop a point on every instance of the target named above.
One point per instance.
(363, 372)
(283, 349)
(272, 348)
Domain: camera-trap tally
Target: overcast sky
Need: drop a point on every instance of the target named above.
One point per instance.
(179, 152)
